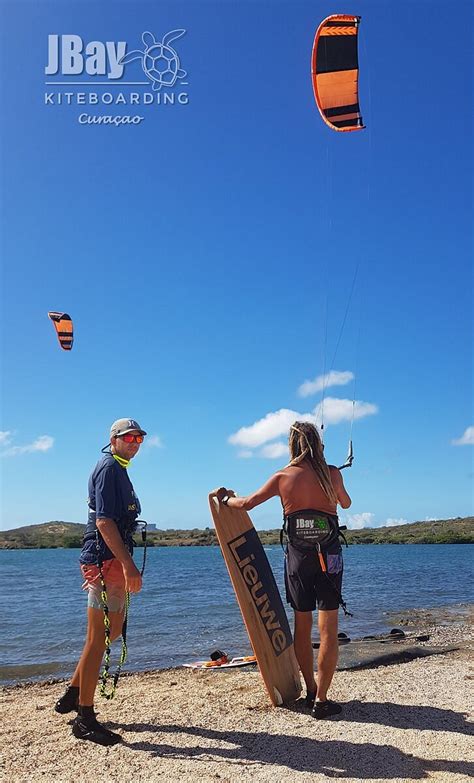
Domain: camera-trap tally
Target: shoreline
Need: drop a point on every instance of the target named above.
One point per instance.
(402, 722)
(68, 535)
(446, 626)
(432, 621)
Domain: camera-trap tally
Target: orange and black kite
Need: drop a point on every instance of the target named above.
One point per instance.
(335, 72)
(64, 329)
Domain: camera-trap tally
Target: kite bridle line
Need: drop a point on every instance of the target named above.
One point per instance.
(326, 289)
(350, 453)
(329, 201)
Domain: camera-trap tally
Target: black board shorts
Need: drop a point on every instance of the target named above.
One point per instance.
(307, 587)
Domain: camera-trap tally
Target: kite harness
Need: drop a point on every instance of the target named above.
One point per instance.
(317, 531)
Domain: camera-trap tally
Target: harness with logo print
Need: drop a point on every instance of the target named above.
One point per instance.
(315, 531)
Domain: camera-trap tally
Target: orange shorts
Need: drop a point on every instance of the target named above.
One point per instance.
(114, 583)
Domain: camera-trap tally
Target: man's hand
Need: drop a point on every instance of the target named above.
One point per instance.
(133, 579)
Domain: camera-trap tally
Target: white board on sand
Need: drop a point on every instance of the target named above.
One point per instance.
(259, 600)
(234, 663)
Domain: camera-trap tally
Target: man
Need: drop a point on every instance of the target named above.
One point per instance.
(106, 555)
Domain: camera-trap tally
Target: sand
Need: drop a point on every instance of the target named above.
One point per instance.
(402, 722)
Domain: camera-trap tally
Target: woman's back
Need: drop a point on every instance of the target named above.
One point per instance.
(299, 488)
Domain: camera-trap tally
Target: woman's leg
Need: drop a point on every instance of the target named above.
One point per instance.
(304, 648)
(328, 650)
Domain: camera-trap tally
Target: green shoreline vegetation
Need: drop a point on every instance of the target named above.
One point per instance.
(68, 535)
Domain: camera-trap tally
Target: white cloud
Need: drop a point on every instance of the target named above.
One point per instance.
(272, 426)
(245, 454)
(5, 437)
(467, 439)
(42, 443)
(333, 378)
(358, 521)
(277, 423)
(367, 519)
(274, 450)
(394, 522)
(154, 442)
(337, 410)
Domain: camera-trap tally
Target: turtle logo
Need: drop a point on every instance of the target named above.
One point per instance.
(160, 62)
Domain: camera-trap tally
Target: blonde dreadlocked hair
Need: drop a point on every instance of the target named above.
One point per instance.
(305, 443)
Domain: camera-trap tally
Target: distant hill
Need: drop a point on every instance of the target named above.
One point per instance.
(67, 535)
(441, 531)
(48, 535)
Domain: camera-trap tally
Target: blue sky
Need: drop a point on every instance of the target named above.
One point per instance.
(204, 253)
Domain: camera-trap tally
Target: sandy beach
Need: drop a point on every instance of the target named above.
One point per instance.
(408, 721)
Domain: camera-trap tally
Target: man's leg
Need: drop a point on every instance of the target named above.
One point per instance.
(88, 668)
(85, 725)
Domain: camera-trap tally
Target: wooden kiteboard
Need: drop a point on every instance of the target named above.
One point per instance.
(259, 600)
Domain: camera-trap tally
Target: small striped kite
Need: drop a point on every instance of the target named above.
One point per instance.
(64, 329)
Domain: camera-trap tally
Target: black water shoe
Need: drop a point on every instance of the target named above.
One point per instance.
(325, 709)
(89, 728)
(309, 700)
(69, 701)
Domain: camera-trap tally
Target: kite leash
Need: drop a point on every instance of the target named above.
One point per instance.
(105, 674)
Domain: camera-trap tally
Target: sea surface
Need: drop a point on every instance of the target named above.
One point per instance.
(187, 607)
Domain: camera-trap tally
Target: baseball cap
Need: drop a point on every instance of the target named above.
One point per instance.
(122, 426)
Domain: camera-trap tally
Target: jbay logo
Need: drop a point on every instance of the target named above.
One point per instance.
(67, 55)
(159, 61)
(79, 64)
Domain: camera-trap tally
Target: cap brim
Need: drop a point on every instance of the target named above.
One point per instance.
(124, 432)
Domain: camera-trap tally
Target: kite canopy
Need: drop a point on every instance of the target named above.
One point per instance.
(335, 72)
(64, 329)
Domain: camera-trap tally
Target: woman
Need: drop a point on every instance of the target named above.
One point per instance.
(308, 484)
(106, 556)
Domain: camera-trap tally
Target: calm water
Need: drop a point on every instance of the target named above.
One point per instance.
(187, 607)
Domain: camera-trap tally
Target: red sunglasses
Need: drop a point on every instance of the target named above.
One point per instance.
(129, 438)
